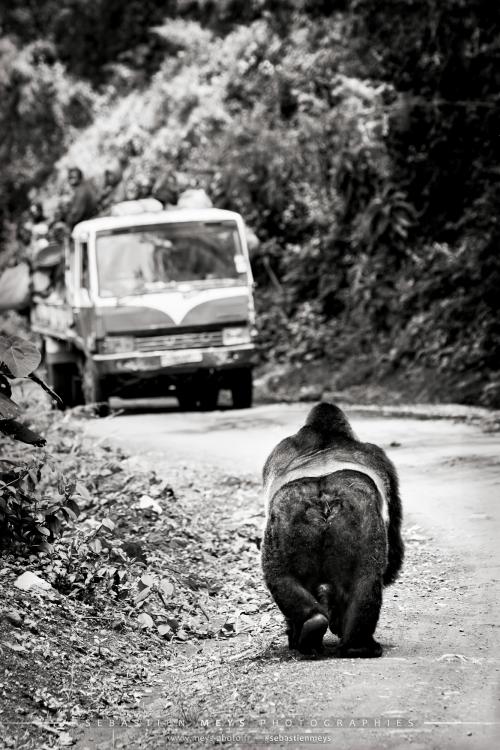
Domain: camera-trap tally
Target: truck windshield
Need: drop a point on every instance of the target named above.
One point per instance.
(143, 259)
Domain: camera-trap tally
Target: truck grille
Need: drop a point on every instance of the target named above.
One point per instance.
(177, 341)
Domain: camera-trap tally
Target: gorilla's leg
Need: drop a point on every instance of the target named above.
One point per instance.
(311, 634)
(306, 618)
(329, 600)
(292, 562)
(360, 620)
(333, 601)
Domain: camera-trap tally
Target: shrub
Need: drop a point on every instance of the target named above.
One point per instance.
(29, 516)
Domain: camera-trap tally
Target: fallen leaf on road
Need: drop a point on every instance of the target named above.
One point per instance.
(142, 596)
(166, 588)
(146, 620)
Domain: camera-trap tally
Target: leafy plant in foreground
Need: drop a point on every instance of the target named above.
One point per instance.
(19, 358)
(29, 515)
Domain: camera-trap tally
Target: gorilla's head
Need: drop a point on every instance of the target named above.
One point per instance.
(329, 421)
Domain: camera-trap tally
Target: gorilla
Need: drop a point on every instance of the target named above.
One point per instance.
(333, 533)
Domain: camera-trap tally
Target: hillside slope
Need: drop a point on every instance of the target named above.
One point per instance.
(365, 166)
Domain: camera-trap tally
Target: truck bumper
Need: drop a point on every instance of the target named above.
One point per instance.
(177, 361)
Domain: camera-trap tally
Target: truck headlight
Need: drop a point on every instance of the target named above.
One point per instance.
(117, 344)
(232, 336)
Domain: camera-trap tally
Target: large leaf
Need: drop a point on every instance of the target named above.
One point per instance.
(8, 409)
(18, 357)
(19, 431)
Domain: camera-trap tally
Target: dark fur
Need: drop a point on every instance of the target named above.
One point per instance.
(327, 552)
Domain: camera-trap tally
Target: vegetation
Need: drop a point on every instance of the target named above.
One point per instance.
(358, 139)
(42, 107)
(134, 577)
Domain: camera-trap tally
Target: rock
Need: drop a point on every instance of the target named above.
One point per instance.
(147, 503)
(65, 740)
(28, 581)
(13, 617)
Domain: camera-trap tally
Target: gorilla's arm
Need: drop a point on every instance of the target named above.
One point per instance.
(395, 543)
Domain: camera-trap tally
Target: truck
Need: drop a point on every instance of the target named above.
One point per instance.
(153, 304)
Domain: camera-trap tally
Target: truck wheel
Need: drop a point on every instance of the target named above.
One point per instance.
(186, 398)
(209, 395)
(93, 389)
(64, 379)
(242, 389)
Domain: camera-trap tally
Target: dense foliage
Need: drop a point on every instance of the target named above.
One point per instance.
(41, 109)
(29, 514)
(359, 139)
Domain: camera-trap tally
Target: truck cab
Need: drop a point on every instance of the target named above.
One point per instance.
(154, 303)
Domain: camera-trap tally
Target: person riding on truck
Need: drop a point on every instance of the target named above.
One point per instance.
(82, 203)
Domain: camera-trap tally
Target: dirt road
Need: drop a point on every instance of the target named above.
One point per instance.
(437, 683)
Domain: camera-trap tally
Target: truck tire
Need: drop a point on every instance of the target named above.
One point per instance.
(186, 398)
(93, 389)
(242, 389)
(209, 395)
(63, 377)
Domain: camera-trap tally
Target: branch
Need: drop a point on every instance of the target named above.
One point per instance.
(46, 388)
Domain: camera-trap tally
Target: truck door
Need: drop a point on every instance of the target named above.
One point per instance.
(82, 302)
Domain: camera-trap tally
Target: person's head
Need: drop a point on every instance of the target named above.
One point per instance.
(132, 191)
(144, 185)
(329, 421)
(112, 176)
(59, 213)
(59, 232)
(75, 176)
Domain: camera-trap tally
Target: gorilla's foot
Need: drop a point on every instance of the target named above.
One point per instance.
(311, 635)
(371, 649)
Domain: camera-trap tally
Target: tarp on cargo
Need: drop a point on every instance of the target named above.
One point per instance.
(194, 198)
(140, 206)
